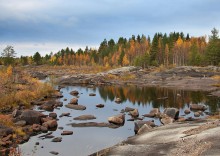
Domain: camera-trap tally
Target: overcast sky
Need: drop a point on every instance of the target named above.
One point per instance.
(50, 25)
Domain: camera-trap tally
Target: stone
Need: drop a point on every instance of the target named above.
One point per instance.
(153, 113)
(92, 94)
(65, 99)
(74, 101)
(64, 114)
(181, 119)
(128, 109)
(20, 123)
(53, 115)
(16, 113)
(31, 117)
(67, 133)
(54, 152)
(166, 120)
(139, 124)
(118, 100)
(44, 129)
(76, 107)
(50, 124)
(7, 138)
(100, 105)
(46, 119)
(187, 111)
(85, 117)
(172, 112)
(197, 107)
(36, 127)
(37, 143)
(118, 119)
(74, 92)
(57, 139)
(145, 128)
(197, 114)
(94, 124)
(134, 113)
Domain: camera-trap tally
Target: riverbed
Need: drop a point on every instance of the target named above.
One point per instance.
(85, 141)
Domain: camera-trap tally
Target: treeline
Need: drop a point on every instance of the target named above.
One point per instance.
(175, 49)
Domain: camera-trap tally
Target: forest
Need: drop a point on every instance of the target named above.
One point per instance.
(175, 49)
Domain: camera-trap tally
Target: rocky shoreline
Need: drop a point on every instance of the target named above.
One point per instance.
(185, 78)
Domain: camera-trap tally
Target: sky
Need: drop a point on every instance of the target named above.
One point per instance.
(50, 25)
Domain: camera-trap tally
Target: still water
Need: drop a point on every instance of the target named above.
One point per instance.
(85, 141)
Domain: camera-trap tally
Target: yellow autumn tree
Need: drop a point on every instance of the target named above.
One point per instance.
(125, 60)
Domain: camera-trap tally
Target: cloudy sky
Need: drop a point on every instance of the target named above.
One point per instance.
(50, 25)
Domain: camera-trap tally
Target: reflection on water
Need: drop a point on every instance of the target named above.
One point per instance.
(159, 97)
(85, 141)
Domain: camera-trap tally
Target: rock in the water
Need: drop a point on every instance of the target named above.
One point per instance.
(100, 105)
(118, 100)
(118, 119)
(50, 124)
(139, 124)
(76, 107)
(92, 94)
(74, 101)
(196, 114)
(53, 115)
(54, 152)
(128, 109)
(31, 117)
(167, 120)
(94, 124)
(57, 139)
(67, 133)
(74, 92)
(186, 111)
(172, 112)
(134, 113)
(145, 128)
(197, 107)
(153, 113)
(85, 117)
(64, 114)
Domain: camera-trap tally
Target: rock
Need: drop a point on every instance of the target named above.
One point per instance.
(74, 101)
(57, 139)
(201, 113)
(37, 143)
(145, 128)
(16, 113)
(85, 117)
(7, 138)
(118, 100)
(26, 138)
(134, 113)
(196, 114)
(130, 119)
(44, 129)
(56, 95)
(139, 124)
(31, 117)
(118, 119)
(166, 120)
(181, 119)
(38, 75)
(92, 94)
(197, 107)
(36, 127)
(93, 124)
(172, 112)
(54, 152)
(128, 109)
(65, 99)
(76, 107)
(50, 124)
(100, 105)
(20, 123)
(46, 119)
(187, 111)
(53, 115)
(64, 114)
(74, 92)
(67, 133)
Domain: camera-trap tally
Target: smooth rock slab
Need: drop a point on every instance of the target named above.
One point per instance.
(100, 105)
(54, 152)
(76, 107)
(93, 124)
(57, 139)
(85, 117)
(67, 133)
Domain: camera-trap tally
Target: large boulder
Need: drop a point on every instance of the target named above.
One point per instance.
(85, 117)
(172, 112)
(118, 119)
(166, 120)
(50, 124)
(145, 128)
(31, 117)
(128, 109)
(197, 107)
(139, 124)
(76, 107)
